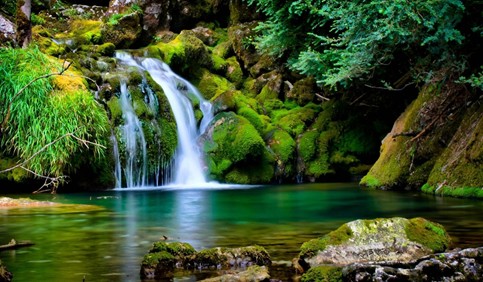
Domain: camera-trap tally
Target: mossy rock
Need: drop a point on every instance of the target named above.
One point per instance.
(253, 117)
(124, 32)
(392, 168)
(233, 258)
(303, 91)
(395, 240)
(236, 152)
(297, 120)
(234, 72)
(323, 273)
(252, 171)
(241, 36)
(457, 171)
(236, 137)
(225, 101)
(211, 85)
(265, 64)
(184, 53)
(283, 146)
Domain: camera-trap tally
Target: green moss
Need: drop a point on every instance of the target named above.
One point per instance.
(370, 181)
(236, 138)
(336, 237)
(295, 121)
(252, 171)
(253, 117)
(173, 248)
(223, 49)
(283, 145)
(213, 256)
(324, 273)
(308, 145)
(428, 234)
(116, 111)
(211, 85)
(302, 91)
(153, 259)
(106, 49)
(234, 71)
(460, 192)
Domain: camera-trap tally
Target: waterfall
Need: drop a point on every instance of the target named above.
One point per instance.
(188, 162)
(135, 144)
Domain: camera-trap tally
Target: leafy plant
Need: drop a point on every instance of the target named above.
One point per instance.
(339, 42)
(35, 122)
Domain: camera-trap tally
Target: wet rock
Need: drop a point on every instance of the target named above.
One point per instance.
(241, 36)
(124, 32)
(7, 30)
(395, 240)
(164, 259)
(457, 265)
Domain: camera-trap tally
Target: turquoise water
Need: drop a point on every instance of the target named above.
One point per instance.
(108, 244)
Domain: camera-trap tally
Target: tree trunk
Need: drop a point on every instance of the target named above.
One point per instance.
(24, 25)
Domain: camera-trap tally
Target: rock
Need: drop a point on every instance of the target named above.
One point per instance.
(302, 91)
(123, 32)
(390, 240)
(457, 265)
(163, 259)
(254, 273)
(7, 30)
(5, 275)
(241, 35)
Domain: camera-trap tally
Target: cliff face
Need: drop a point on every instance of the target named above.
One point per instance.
(435, 144)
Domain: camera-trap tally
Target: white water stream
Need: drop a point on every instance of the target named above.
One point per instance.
(188, 163)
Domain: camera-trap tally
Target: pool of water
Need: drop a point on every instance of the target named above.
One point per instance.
(108, 244)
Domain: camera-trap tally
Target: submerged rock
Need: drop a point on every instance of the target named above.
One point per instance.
(394, 240)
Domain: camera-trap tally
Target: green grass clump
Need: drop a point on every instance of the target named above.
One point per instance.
(41, 122)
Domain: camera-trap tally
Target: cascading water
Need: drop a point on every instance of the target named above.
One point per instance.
(135, 145)
(188, 163)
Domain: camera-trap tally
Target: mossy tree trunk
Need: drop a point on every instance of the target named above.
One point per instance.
(24, 26)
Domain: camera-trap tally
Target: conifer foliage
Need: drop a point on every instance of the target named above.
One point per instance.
(343, 42)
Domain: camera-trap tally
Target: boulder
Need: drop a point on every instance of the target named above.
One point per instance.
(164, 258)
(7, 30)
(383, 240)
(457, 265)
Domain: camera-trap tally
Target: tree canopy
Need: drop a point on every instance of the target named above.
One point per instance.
(342, 42)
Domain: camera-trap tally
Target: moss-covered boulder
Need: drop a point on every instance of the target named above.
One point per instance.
(283, 146)
(236, 152)
(163, 258)
(242, 38)
(436, 142)
(232, 258)
(212, 85)
(184, 54)
(396, 240)
(122, 30)
(303, 91)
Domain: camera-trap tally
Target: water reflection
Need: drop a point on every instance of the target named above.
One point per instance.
(108, 245)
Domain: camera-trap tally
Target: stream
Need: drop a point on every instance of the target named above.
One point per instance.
(108, 244)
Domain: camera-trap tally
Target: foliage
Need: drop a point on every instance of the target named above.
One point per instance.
(41, 115)
(338, 42)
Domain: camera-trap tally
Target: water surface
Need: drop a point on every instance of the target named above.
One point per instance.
(108, 245)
